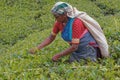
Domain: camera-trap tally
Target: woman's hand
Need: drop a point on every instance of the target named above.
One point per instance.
(56, 57)
(33, 50)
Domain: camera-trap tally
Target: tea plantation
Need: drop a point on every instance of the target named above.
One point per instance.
(26, 23)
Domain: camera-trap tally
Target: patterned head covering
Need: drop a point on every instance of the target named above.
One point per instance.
(61, 7)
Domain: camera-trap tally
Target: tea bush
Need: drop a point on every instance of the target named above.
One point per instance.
(26, 23)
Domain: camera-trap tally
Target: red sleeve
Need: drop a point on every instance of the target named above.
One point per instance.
(78, 29)
(55, 28)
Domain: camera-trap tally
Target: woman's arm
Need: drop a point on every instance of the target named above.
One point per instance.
(46, 42)
(71, 49)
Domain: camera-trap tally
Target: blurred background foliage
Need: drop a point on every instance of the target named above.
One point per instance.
(26, 23)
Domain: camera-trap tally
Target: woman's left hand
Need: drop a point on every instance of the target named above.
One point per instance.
(56, 57)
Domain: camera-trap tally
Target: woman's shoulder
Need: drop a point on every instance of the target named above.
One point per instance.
(77, 20)
(57, 24)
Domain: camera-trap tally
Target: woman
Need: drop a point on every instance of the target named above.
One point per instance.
(74, 30)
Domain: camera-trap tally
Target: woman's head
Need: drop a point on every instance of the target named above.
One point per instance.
(60, 10)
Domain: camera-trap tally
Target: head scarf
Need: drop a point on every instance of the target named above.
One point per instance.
(62, 7)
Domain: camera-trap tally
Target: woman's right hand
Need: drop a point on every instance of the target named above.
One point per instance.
(33, 50)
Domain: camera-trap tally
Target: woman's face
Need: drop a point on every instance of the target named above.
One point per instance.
(61, 18)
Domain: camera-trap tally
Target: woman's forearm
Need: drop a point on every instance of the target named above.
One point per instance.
(46, 42)
(69, 50)
(65, 52)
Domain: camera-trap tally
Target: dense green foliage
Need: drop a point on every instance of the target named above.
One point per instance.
(26, 23)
